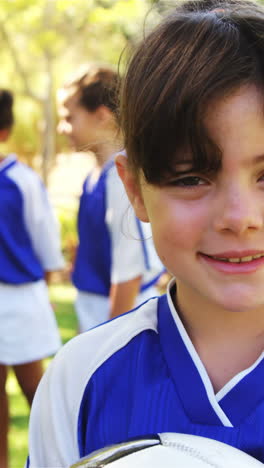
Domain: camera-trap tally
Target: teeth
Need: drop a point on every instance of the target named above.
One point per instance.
(239, 259)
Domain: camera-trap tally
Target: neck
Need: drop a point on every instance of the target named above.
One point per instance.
(227, 342)
(206, 316)
(104, 150)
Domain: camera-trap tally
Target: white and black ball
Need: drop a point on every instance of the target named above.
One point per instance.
(169, 450)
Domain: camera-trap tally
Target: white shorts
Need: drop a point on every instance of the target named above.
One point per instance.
(93, 309)
(29, 331)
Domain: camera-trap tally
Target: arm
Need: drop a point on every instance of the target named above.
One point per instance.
(128, 264)
(58, 434)
(53, 434)
(52, 439)
(48, 276)
(123, 296)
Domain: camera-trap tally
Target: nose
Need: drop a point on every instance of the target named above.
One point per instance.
(239, 211)
(63, 127)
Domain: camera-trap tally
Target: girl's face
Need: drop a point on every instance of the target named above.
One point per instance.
(209, 230)
(81, 126)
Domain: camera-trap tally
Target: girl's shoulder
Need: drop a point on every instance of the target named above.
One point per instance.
(24, 175)
(95, 346)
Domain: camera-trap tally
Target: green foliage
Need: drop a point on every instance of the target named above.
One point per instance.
(69, 237)
(44, 40)
(25, 138)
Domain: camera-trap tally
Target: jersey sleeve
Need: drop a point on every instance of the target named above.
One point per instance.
(40, 220)
(55, 432)
(128, 260)
(54, 413)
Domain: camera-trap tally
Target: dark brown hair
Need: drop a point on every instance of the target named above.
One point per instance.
(204, 49)
(6, 109)
(97, 86)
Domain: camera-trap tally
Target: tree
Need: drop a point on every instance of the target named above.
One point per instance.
(45, 39)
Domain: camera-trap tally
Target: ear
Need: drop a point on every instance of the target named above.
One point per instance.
(132, 186)
(4, 134)
(103, 113)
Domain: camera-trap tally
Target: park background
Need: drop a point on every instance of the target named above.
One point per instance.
(42, 43)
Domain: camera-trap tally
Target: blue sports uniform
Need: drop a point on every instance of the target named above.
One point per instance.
(136, 375)
(110, 251)
(29, 246)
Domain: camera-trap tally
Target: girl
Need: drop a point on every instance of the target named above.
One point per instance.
(192, 360)
(29, 251)
(112, 272)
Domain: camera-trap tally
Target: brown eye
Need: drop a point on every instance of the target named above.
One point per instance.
(190, 181)
(261, 178)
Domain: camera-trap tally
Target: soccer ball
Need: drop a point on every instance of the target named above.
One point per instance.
(169, 450)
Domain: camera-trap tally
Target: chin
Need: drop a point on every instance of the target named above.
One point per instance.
(239, 297)
(241, 304)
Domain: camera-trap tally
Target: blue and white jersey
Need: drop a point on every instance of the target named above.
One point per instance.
(29, 235)
(114, 246)
(137, 375)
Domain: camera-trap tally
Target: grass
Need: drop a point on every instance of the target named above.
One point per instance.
(62, 296)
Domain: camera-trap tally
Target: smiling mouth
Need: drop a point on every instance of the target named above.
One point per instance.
(248, 258)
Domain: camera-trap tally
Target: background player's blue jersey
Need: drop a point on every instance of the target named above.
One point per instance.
(107, 252)
(136, 375)
(29, 236)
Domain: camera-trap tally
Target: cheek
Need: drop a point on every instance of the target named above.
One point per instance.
(74, 125)
(179, 227)
(172, 239)
(79, 124)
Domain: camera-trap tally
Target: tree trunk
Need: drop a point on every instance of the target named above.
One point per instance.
(48, 137)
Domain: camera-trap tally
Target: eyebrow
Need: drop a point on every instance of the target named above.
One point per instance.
(188, 162)
(259, 158)
(184, 162)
